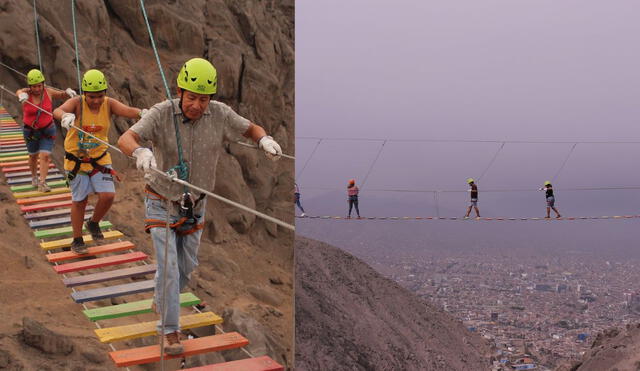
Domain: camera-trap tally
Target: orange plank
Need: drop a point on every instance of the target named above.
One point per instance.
(100, 262)
(94, 250)
(36, 200)
(50, 205)
(215, 343)
(264, 363)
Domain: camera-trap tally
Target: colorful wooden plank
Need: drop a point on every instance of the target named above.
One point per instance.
(144, 329)
(13, 154)
(14, 164)
(92, 251)
(264, 363)
(65, 231)
(137, 271)
(14, 158)
(22, 169)
(66, 242)
(29, 187)
(113, 291)
(20, 174)
(53, 213)
(187, 299)
(32, 194)
(27, 180)
(45, 206)
(43, 199)
(137, 356)
(55, 222)
(12, 148)
(100, 262)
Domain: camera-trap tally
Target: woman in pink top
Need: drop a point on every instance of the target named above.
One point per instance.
(352, 192)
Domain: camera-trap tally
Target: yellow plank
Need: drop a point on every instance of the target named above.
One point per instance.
(66, 242)
(138, 330)
(54, 191)
(14, 158)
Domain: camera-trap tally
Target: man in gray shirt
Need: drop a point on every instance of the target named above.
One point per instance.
(187, 136)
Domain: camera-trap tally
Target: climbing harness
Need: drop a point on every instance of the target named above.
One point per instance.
(93, 161)
(188, 222)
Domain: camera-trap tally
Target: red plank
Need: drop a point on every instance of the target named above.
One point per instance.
(14, 163)
(21, 168)
(264, 363)
(93, 251)
(51, 205)
(36, 200)
(100, 262)
(138, 356)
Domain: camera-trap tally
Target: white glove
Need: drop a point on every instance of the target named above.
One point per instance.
(71, 93)
(144, 158)
(67, 120)
(23, 97)
(143, 112)
(270, 147)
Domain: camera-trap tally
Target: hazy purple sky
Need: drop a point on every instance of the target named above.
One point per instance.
(498, 70)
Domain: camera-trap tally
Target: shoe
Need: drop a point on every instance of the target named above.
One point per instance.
(547, 217)
(94, 229)
(43, 187)
(559, 216)
(78, 247)
(172, 345)
(34, 182)
(303, 215)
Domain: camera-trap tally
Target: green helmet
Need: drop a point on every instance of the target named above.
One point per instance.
(35, 76)
(94, 81)
(199, 76)
(547, 183)
(470, 180)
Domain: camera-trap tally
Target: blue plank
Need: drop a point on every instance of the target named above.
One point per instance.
(113, 291)
(53, 213)
(27, 180)
(136, 271)
(55, 222)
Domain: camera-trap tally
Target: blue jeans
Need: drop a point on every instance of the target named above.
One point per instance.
(182, 259)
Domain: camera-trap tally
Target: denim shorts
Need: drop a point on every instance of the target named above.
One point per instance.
(41, 144)
(83, 185)
(551, 201)
(474, 202)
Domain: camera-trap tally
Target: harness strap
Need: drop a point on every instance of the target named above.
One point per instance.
(158, 223)
(35, 134)
(97, 168)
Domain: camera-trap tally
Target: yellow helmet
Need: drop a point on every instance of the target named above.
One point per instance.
(199, 76)
(470, 180)
(35, 76)
(94, 81)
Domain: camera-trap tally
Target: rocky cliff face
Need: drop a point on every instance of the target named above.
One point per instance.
(348, 317)
(614, 349)
(245, 263)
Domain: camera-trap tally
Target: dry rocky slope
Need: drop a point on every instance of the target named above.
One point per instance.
(349, 317)
(246, 264)
(612, 350)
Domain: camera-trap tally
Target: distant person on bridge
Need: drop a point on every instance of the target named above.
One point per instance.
(551, 200)
(86, 160)
(352, 194)
(473, 191)
(39, 130)
(204, 125)
(296, 193)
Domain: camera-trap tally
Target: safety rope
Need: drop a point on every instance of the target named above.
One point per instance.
(75, 44)
(23, 75)
(565, 218)
(417, 140)
(309, 159)
(35, 21)
(603, 188)
(181, 167)
(495, 156)
(373, 164)
(566, 159)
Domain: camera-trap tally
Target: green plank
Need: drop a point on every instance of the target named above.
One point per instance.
(11, 154)
(187, 299)
(65, 231)
(29, 187)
